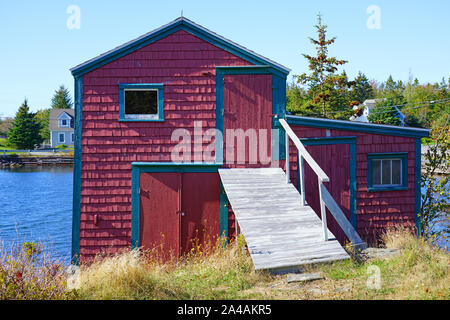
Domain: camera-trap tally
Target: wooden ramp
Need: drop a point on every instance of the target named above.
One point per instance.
(280, 232)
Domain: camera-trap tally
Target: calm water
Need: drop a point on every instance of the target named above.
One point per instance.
(36, 205)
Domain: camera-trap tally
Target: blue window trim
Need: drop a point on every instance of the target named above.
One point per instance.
(278, 102)
(138, 167)
(392, 155)
(141, 86)
(351, 141)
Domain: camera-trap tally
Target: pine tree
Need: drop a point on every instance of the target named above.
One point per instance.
(383, 114)
(362, 90)
(324, 84)
(25, 133)
(61, 99)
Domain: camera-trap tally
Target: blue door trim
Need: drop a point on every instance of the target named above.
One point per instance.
(138, 167)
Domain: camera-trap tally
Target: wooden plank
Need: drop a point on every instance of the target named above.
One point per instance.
(280, 232)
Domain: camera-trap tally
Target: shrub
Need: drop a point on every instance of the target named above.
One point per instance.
(29, 273)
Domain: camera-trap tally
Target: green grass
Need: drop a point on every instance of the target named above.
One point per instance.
(4, 146)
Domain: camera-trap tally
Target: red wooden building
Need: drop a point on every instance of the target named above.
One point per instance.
(136, 103)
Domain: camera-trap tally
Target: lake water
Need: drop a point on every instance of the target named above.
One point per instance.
(36, 205)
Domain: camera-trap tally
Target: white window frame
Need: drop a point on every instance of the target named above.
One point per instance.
(59, 138)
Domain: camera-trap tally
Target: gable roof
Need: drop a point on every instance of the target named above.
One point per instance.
(54, 117)
(187, 25)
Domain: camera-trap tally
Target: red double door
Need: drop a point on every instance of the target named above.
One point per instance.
(178, 210)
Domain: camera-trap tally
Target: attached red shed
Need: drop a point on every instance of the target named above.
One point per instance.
(136, 103)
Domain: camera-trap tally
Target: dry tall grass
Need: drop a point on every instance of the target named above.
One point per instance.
(216, 271)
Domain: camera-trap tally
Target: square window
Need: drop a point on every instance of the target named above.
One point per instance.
(141, 102)
(387, 171)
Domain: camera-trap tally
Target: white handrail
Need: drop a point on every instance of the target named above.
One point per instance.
(326, 200)
(304, 153)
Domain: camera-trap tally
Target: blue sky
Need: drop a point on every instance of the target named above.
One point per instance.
(38, 49)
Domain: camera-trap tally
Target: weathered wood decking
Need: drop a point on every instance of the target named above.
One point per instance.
(280, 232)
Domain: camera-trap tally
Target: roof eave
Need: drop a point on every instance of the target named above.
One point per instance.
(358, 126)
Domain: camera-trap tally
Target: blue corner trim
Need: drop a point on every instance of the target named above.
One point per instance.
(357, 126)
(417, 184)
(351, 141)
(138, 167)
(140, 86)
(76, 207)
(174, 26)
(388, 155)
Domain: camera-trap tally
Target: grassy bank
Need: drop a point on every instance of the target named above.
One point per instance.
(417, 271)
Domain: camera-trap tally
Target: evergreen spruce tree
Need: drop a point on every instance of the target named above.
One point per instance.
(324, 84)
(362, 89)
(25, 133)
(61, 99)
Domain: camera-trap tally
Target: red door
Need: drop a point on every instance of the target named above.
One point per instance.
(200, 222)
(179, 210)
(247, 105)
(160, 212)
(335, 161)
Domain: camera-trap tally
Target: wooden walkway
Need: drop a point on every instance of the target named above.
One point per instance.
(280, 232)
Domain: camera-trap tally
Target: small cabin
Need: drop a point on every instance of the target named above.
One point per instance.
(182, 135)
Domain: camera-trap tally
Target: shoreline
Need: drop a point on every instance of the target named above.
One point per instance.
(20, 161)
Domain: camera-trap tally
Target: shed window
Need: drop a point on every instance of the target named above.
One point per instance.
(141, 102)
(387, 171)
